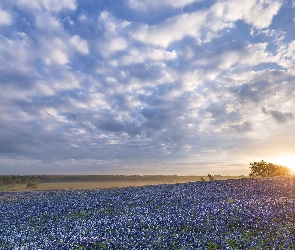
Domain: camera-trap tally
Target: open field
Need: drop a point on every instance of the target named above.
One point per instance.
(230, 214)
(80, 185)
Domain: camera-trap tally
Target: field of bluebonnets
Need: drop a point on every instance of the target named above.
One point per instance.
(232, 214)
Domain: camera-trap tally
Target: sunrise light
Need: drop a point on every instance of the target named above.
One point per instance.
(287, 161)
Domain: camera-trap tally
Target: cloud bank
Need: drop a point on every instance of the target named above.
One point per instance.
(145, 87)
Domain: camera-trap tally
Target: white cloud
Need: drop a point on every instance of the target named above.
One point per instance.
(172, 29)
(5, 17)
(58, 56)
(15, 52)
(213, 20)
(97, 101)
(111, 44)
(48, 5)
(258, 13)
(47, 22)
(58, 5)
(28, 4)
(82, 17)
(42, 88)
(67, 81)
(79, 44)
(141, 55)
(55, 51)
(252, 54)
(114, 38)
(117, 44)
(188, 24)
(111, 24)
(146, 5)
(286, 54)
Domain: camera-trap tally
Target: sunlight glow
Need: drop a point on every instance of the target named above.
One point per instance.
(287, 161)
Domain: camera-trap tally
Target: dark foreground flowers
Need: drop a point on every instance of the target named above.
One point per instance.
(233, 214)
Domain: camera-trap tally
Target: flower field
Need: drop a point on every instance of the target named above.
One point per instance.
(232, 214)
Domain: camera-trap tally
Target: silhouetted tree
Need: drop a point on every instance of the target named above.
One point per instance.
(264, 169)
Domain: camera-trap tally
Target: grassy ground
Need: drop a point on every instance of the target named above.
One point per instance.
(79, 185)
(97, 185)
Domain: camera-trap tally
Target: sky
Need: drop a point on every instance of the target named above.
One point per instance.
(186, 87)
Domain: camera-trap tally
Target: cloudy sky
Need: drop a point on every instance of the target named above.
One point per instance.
(145, 86)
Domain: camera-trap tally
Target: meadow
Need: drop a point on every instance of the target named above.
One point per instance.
(78, 182)
(229, 214)
(79, 185)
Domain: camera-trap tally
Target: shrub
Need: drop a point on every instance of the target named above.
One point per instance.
(32, 185)
(211, 177)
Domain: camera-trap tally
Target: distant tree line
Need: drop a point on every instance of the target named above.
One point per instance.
(18, 179)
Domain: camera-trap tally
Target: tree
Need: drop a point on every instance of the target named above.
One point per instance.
(264, 169)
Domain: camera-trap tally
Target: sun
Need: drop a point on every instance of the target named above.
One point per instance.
(287, 161)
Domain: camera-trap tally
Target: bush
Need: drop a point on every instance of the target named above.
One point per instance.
(32, 185)
(211, 177)
(264, 169)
